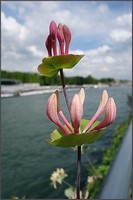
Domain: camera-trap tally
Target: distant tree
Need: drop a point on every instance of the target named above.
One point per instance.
(90, 80)
(26, 77)
(107, 80)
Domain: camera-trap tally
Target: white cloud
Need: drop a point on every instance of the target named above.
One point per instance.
(103, 62)
(110, 60)
(103, 8)
(12, 28)
(104, 69)
(35, 52)
(24, 33)
(99, 50)
(124, 20)
(78, 52)
(120, 35)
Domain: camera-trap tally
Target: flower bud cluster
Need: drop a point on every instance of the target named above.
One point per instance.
(60, 34)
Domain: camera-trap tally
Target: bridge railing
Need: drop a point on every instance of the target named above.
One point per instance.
(118, 181)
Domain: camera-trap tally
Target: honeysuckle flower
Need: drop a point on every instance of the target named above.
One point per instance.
(76, 112)
(53, 35)
(76, 109)
(109, 117)
(91, 180)
(102, 105)
(57, 45)
(67, 35)
(53, 110)
(74, 195)
(60, 37)
(58, 176)
(60, 33)
(48, 44)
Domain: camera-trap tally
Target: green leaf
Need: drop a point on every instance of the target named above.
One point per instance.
(50, 66)
(72, 140)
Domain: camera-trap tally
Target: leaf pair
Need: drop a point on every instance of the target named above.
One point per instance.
(72, 140)
(50, 66)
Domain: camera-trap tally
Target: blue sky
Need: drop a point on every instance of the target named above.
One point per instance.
(101, 30)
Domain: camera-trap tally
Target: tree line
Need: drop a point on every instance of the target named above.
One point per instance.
(27, 77)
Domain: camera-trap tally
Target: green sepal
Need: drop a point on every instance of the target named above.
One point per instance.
(50, 66)
(72, 140)
(69, 192)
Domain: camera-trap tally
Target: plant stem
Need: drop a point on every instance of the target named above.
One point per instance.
(79, 147)
(92, 166)
(64, 88)
(78, 171)
(68, 184)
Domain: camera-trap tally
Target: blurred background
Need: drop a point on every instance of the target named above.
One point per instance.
(102, 32)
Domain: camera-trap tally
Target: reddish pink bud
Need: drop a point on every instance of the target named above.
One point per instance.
(60, 37)
(67, 36)
(60, 27)
(53, 29)
(48, 44)
(76, 112)
(53, 33)
(110, 114)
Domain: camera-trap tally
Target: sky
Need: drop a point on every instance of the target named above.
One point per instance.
(101, 30)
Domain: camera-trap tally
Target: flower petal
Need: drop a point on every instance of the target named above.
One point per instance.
(61, 113)
(82, 95)
(60, 27)
(67, 36)
(60, 37)
(53, 33)
(51, 110)
(76, 112)
(53, 29)
(48, 44)
(110, 114)
(103, 102)
(104, 99)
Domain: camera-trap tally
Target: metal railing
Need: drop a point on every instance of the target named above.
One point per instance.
(118, 181)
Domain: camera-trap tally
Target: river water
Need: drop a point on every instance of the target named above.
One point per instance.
(28, 160)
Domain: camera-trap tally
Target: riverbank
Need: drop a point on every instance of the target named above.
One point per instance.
(35, 89)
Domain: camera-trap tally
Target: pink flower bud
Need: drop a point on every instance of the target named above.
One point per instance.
(104, 99)
(110, 114)
(61, 113)
(76, 112)
(53, 33)
(60, 27)
(48, 44)
(67, 36)
(82, 95)
(60, 37)
(51, 110)
(103, 102)
(53, 30)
